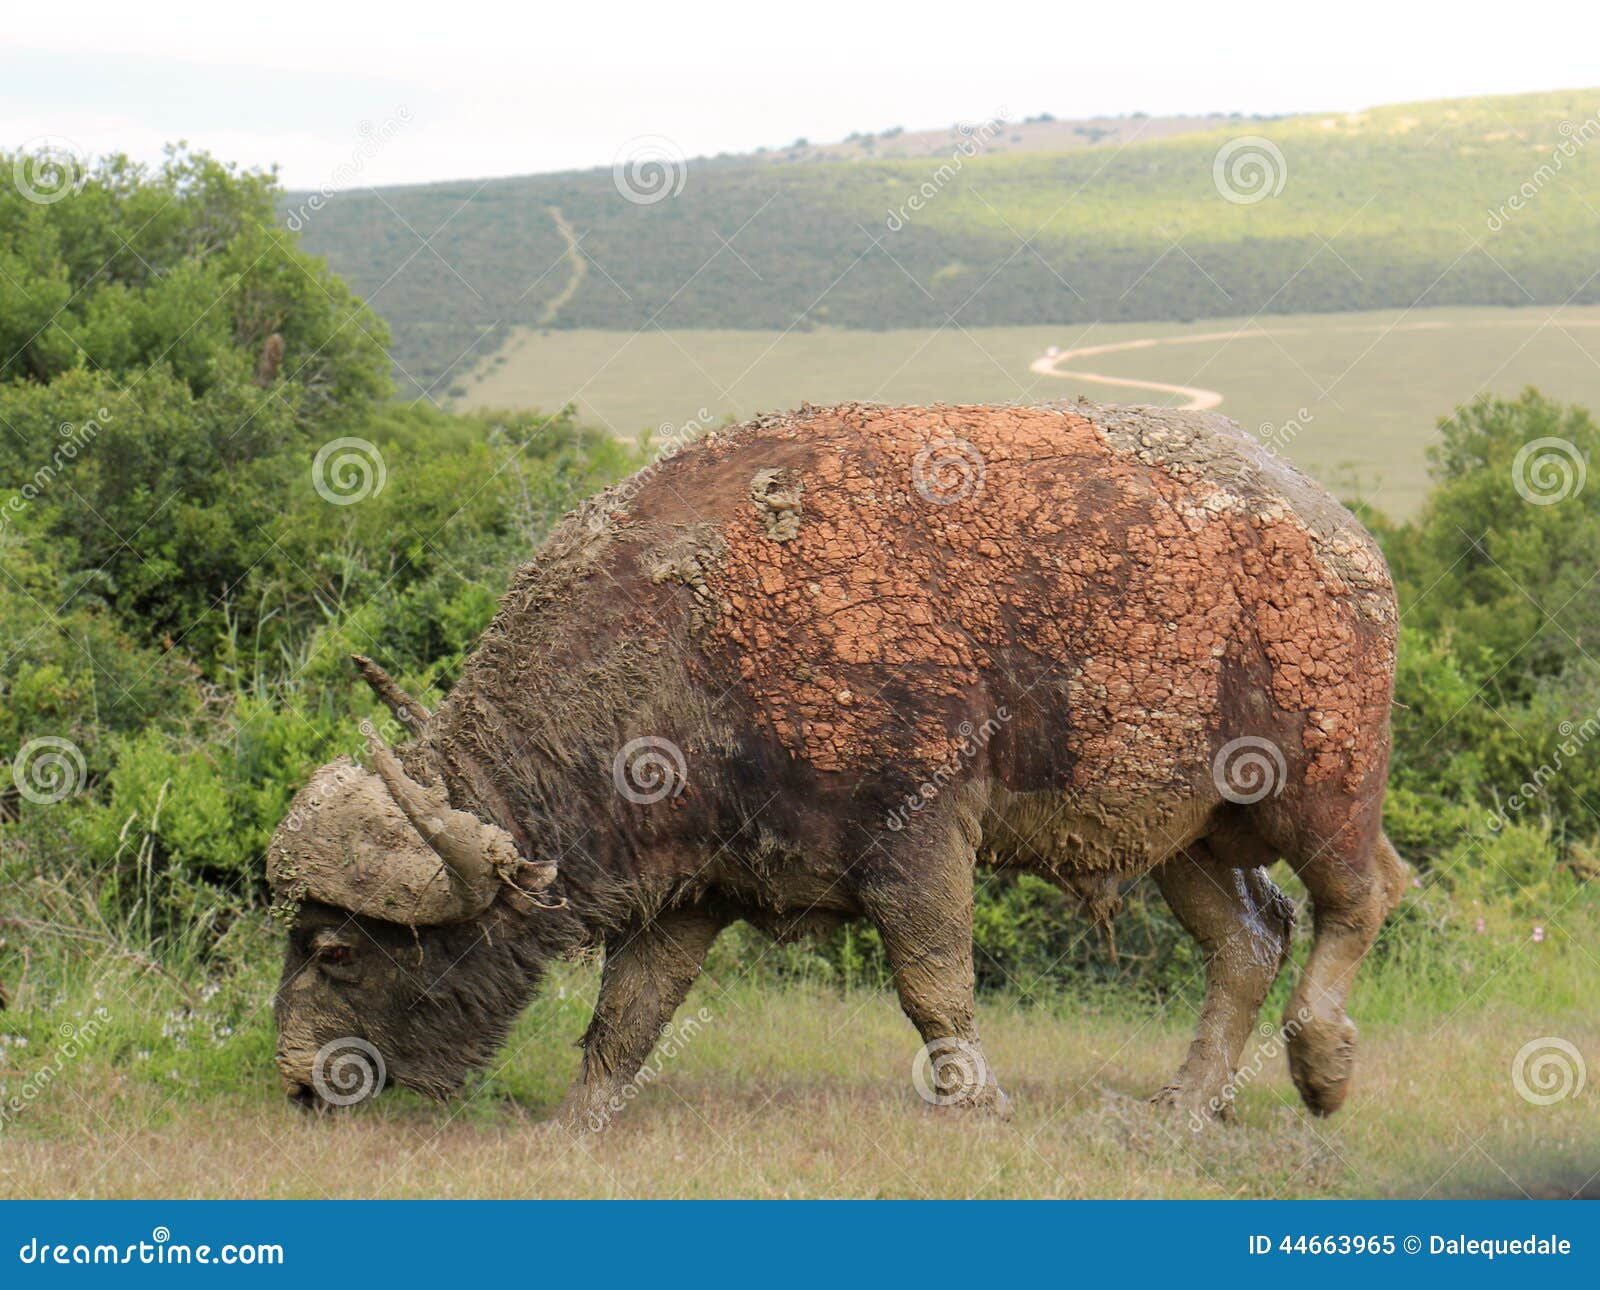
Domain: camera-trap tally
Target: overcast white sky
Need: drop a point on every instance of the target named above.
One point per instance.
(475, 89)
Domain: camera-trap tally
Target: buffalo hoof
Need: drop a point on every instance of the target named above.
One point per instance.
(588, 1110)
(1322, 1056)
(986, 1103)
(1201, 1106)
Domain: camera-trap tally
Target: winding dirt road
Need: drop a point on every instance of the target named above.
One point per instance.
(1201, 399)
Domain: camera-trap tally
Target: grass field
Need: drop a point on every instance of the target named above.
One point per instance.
(1352, 398)
(800, 1090)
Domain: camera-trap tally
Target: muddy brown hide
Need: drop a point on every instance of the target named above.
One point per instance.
(871, 643)
(1132, 588)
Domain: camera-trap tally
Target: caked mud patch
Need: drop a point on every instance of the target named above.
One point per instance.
(777, 497)
(889, 571)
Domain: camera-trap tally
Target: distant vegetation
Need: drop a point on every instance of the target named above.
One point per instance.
(1389, 208)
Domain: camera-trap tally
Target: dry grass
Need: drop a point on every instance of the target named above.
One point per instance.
(806, 1093)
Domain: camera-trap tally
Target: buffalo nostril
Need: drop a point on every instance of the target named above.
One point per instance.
(303, 1095)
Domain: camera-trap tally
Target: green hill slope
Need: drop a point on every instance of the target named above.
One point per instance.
(1382, 209)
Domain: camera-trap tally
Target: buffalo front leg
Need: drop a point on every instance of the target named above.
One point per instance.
(1242, 923)
(925, 921)
(648, 971)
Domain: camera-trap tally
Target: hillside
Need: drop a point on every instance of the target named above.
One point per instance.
(1380, 209)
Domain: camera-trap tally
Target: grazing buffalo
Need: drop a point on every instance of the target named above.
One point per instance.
(819, 667)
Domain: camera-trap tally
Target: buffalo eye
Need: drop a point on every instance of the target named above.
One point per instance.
(336, 959)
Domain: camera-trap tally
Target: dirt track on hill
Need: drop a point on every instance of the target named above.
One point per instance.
(1201, 399)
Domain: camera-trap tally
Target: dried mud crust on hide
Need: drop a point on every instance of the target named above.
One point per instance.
(1114, 593)
(1132, 562)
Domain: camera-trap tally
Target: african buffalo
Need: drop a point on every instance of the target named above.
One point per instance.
(820, 666)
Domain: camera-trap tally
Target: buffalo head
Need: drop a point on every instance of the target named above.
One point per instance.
(399, 969)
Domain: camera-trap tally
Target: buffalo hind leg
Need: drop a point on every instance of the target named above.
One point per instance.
(648, 971)
(925, 920)
(1242, 923)
(1352, 892)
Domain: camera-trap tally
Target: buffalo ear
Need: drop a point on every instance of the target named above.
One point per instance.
(407, 711)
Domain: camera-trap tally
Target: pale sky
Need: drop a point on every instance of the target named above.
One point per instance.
(469, 89)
